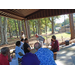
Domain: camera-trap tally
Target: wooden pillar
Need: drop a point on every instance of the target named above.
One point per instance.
(19, 28)
(46, 30)
(26, 28)
(23, 28)
(71, 26)
(36, 26)
(29, 34)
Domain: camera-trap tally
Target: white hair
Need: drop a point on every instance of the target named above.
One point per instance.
(37, 45)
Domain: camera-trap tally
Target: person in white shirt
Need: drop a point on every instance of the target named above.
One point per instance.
(22, 42)
(22, 35)
(18, 51)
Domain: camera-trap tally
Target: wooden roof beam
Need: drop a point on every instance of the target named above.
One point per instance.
(33, 13)
(10, 17)
(12, 13)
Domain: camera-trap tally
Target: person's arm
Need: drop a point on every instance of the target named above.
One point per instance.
(20, 54)
(29, 48)
(22, 48)
(51, 48)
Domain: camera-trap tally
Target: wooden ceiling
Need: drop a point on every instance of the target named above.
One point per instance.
(17, 13)
(21, 14)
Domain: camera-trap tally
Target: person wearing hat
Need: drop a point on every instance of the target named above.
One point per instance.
(40, 38)
(22, 35)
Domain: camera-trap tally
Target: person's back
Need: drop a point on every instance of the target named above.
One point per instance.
(4, 60)
(18, 50)
(40, 38)
(5, 56)
(30, 59)
(45, 56)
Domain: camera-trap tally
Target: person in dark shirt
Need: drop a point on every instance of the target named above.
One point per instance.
(29, 58)
(55, 44)
(26, 46)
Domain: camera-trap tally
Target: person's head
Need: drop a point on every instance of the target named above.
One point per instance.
(26, 40)
(53, 37)
(5, 51)
(22, 40)
(18, 43)
(36, 35)
(22, 32)
(51, 40)
(37, 45)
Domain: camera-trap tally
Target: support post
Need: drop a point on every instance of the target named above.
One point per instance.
(26, 28)
(46, 30)
(23, 28)
(71, 26)
(19, 28)
(29, 35)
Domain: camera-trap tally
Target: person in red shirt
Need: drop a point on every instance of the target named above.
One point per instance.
(55, 44)
(5, 56)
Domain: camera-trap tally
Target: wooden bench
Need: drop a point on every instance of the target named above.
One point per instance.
(55, 54)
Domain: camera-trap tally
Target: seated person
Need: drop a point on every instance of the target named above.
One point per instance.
(5, 56)
(18, 51)
(51, 42)
(22, 42)
(44, 55)
(26, 45)
(55, 44)
(29, 58)
(40, 38)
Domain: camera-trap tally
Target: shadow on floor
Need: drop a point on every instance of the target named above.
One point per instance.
(67, 55)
